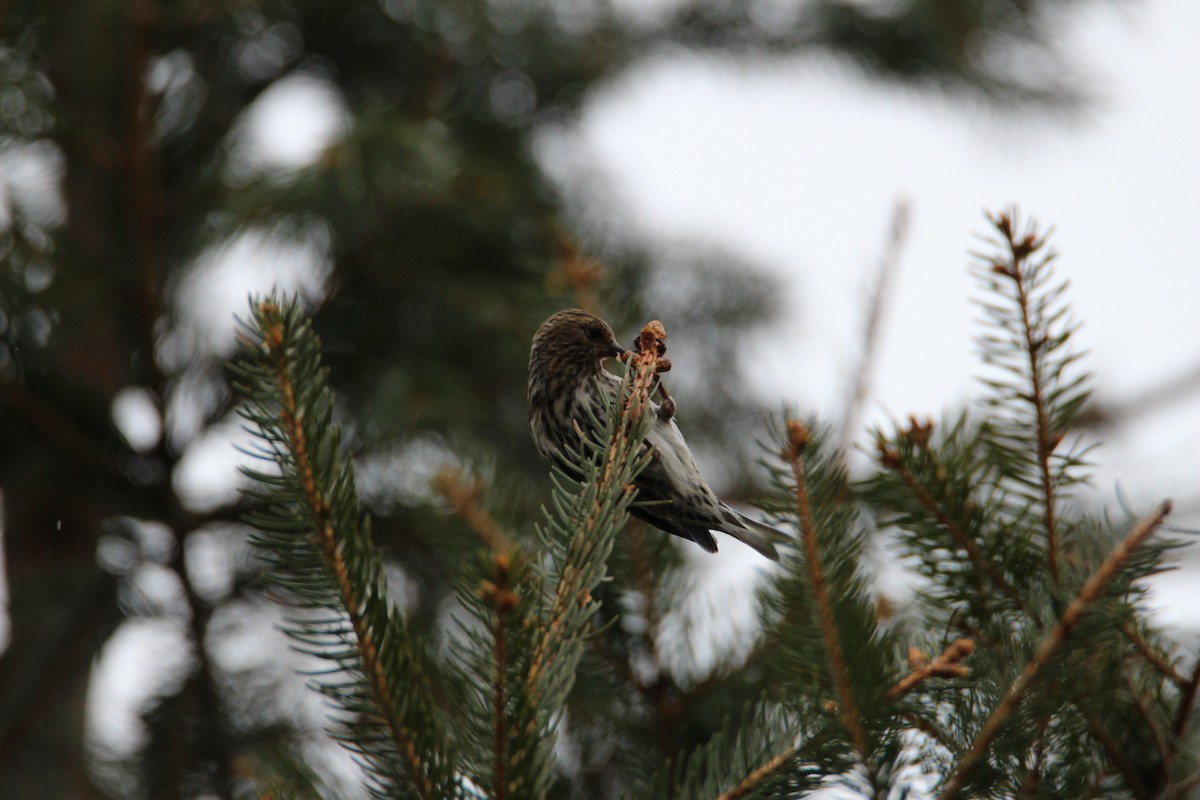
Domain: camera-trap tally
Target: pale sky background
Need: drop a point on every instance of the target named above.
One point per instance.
(797, 164)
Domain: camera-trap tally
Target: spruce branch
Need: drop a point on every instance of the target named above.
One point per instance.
(1020, 249)
(1030, 332)
(1187, 701)
(312, 531)
(502, 599)
(1152, 656)
(533, 643)
(1033, 777)
(947, 665)
(760, 773)
(1159, 736)
(758, 755)
(892, 459)
(1091, 591)
(604, 502)
(1114, 753)
(798, 438)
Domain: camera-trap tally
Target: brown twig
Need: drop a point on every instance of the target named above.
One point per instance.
(327, 539)
(761, 773)
(1034, 344)
(888, 264)
(1106, 415)
(1050, 645)
(1155, 658)
(797, 442)
(1186, 702)
(947, 665)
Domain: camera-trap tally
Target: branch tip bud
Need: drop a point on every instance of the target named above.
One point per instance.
(798, 438)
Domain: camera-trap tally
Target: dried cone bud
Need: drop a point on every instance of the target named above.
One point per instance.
(486, 591)
(652, 342)
(653, 338)
(798, 437)
(505, 601)
(502, 565)
(919, 432)
(1005, 225)
(1022, 250)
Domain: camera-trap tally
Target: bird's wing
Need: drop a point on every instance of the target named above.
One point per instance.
(674, 496)
(672, 475)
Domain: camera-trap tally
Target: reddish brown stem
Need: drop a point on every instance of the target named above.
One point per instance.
(798, 441)
(1155, 658)
(860, 390)
(764, 771)
(1034, 344)
(327, 539)
(947, 665)
(1186, 702)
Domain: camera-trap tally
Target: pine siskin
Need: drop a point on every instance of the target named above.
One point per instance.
(566, 374)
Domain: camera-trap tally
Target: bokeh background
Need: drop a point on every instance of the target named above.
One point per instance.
(794, 188)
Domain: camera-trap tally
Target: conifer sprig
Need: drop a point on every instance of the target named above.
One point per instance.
(1095, 588)
(940, 511)
(762, 754)
(1064, 692)
(832, 662)
(798, 438)
(318, 543)
(533, 621)
(517, 666)
(1037, 396)
(608, 491)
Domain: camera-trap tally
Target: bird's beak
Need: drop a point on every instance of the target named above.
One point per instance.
(616, 350)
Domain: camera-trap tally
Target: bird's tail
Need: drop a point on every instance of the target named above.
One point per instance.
(762, 538)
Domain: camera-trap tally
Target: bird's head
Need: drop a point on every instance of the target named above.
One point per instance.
(572, 341)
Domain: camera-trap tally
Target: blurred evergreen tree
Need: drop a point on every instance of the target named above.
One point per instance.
(440, 246)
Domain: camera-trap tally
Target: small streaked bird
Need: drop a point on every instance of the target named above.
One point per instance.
(565, 365)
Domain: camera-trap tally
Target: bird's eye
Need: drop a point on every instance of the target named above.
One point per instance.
(595, 334)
